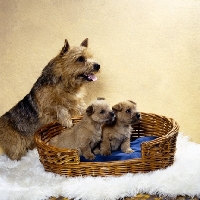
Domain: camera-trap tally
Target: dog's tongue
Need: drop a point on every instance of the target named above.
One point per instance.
(92, 77)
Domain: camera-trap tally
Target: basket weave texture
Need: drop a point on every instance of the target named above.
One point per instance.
(155, 154)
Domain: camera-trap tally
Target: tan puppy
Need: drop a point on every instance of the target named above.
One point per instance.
(118, 133)
(85, 135)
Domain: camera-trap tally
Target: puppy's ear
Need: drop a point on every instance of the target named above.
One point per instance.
(85, 43)
(117, 107)
(132, 102)
(90, 110)
(65, 48)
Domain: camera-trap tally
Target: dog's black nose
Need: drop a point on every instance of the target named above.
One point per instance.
(138, 115)
(112, 114)
(96, 66)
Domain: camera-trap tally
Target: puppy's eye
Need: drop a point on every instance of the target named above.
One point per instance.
(102, 111)
(81, 59)
(128, 110)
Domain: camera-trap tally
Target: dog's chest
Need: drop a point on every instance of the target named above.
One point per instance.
(117, 138)
(122, 133)
(96, 138)
(71, 98)
(72, 101)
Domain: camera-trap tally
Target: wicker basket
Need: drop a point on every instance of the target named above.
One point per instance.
(155, 154)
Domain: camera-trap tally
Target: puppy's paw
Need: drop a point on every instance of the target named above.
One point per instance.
(129, 151)
(90, 157)
(105, 153)
(67, 123)
(96, 151)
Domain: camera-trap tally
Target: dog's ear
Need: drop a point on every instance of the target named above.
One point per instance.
(90, 110)
(65, 48)
(132, 102)
(85, 43)
(117, 107)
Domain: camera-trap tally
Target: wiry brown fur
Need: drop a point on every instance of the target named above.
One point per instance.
(57, 95)
(118, 134)
(86, 134)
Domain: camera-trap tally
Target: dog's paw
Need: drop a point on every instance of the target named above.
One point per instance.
(90, 157)
(96, 151)
(67, 123)
(105, 153)
(129, 151)
(64, 117)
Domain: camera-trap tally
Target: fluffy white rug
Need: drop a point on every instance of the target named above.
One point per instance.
(26, 179)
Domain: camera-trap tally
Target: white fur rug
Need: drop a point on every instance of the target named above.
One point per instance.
(26, 179)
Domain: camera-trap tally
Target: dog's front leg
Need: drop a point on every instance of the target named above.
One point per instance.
(87, 153)
(105, 146)
(48, 114)
(64, 116)
(125, 146)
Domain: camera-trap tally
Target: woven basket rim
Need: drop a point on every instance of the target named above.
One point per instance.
(155, 154)
(152, 142)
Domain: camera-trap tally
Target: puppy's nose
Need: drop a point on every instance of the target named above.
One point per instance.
(138, 115)
(112, 114)
(96, 66)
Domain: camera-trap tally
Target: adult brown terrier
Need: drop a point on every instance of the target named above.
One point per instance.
(87, 133)
(118, 133)
(57, 95)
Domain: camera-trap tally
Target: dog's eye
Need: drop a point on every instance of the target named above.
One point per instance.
(81, 59)
(102, 111)
(128, 110)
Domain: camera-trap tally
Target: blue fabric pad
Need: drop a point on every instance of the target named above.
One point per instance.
(119, 155)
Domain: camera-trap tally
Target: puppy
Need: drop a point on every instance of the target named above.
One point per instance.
(86, 134)
(118, 133)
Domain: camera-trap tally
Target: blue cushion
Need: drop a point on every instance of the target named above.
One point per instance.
(119, 155)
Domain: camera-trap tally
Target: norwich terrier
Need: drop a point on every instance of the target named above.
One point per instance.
(57, 95)
(87, 133)
(118, 133)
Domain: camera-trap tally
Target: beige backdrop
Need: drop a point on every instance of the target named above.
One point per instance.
(149, 51)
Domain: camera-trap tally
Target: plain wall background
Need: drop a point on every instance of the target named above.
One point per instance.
(149, 51)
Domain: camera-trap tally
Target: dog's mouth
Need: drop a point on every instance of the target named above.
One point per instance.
(110, 120)
(135, 121)
(88, 77)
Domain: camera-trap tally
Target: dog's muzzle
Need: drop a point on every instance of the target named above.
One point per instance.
(113, 116)
(90, 76)
(111, 119)
(136, 118)
(138, 115)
